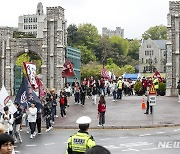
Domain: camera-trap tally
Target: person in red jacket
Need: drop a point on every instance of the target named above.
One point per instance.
(101, 110)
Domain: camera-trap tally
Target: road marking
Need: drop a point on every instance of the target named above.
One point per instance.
(176, 130)
(135, 144)
(151, 149)
(123, 137)
(31, 145)
(17, 151)
(131, 150)
(144, 135)
(105, 139)
(49, 144)
(160, 133)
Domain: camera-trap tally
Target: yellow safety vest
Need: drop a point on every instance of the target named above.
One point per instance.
(119, 84)
(156, 84)
(80, 142)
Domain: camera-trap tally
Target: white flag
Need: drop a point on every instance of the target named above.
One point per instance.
(5, 101)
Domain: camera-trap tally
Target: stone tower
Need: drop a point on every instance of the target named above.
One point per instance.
(173, 52)
(54, 43)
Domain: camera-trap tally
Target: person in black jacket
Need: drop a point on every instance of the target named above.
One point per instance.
(17, 122)
(47, 114)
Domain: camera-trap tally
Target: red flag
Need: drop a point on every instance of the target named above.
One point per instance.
(68, 69)
(42, 92)
(157, 74)
(105, 74)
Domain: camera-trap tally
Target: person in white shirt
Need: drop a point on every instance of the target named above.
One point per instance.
(7, 120)
(32, 115)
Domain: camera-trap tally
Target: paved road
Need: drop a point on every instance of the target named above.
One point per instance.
(125, 113)
(126, 141)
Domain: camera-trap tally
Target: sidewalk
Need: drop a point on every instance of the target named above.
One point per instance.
(125, 113)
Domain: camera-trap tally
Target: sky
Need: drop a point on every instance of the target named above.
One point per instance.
(134, 16)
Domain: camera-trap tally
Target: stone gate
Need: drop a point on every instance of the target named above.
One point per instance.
(51, 50)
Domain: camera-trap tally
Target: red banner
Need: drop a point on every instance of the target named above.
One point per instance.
(105, 74)
(68, 69)
(157, 74)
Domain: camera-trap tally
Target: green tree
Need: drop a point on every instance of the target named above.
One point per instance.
(134, 49)
(156, 33)
(128, 69)
(86, 54)
(88, 36)
(91, 69)
(119, 45)
(103, 49)
(72, 36)
(30, 57)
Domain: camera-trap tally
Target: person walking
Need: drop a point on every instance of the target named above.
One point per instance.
(76, 93)
(95, 91)
(81, 141)
(32, 115)
(17, 122)
(83, 91)
(47, 114)
(63, 102)
(101, 110)
(7, 119)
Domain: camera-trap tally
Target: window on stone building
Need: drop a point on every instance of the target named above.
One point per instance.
(142, 60)
(148, 45)
(155, 60)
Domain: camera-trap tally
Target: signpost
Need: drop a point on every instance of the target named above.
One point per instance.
(152, 98)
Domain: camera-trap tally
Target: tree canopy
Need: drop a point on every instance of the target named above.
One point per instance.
(156, 33)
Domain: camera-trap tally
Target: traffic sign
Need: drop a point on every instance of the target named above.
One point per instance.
(152, 100)
(152, 90)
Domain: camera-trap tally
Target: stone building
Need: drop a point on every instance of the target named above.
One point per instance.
(152, 56)
(50, 48)
(33, 23)
(173, 52)
(118, 32)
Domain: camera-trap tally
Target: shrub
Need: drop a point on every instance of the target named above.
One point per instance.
(138, 88)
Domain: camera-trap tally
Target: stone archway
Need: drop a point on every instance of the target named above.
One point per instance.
(51, 49)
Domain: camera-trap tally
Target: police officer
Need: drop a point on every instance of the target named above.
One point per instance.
(81, 141)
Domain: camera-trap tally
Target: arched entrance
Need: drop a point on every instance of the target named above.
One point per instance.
(19, 69)
(51, 49)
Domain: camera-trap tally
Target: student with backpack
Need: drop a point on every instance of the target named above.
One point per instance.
(7, 120)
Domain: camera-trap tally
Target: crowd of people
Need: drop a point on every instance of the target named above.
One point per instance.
(53, 101)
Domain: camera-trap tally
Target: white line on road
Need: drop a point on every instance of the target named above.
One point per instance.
(135, 144)
(103, 139)
(17, 151)
(123, 137)
(49, 144)
(144, 135)
(151, 149)
(160, 133)
(131, 150)
(176, 130)
(31, 145)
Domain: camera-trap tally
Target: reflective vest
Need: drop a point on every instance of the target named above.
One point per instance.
(156, 83)
(80, 142)
(119, 84)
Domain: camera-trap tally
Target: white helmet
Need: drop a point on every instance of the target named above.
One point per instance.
(83, 120)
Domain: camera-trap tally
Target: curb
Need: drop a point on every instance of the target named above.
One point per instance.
(117, 127)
